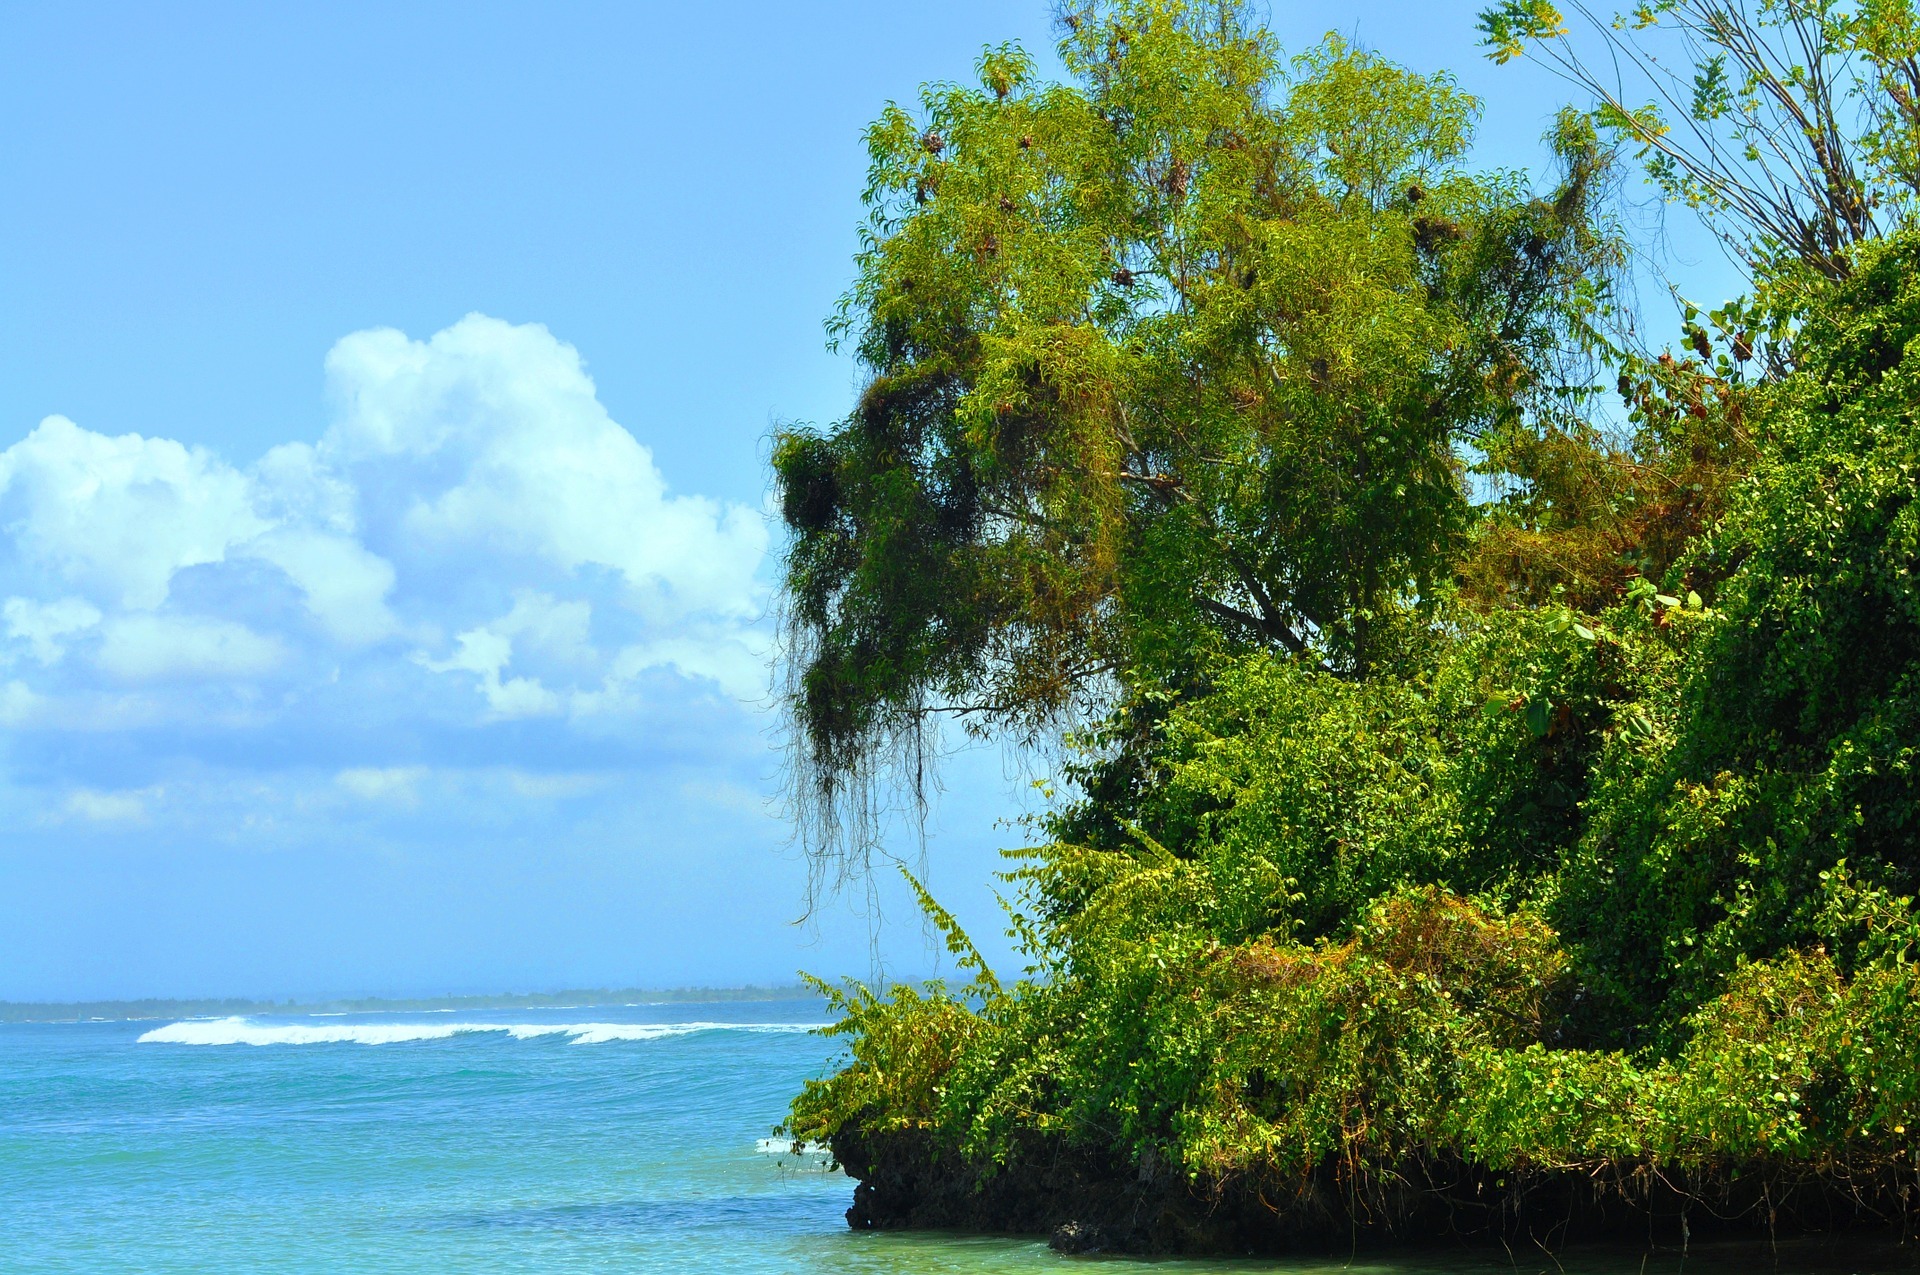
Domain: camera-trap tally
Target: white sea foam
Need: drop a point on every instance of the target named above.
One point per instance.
(808, 1157)
(244, 1031)
(784, 1146)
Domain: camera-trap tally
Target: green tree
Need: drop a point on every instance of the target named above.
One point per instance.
(1436, 858)
(1180, 359)
(1792, 125)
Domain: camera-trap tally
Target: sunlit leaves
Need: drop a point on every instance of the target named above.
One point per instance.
(1508, 27)
(1598, 854)
(1789, 123)
(1174, 360)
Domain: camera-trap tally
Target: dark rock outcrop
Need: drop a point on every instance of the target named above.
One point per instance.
(1087, 1203)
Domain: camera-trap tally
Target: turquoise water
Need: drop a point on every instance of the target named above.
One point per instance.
(608, 1139)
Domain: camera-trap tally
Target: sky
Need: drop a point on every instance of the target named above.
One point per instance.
(384, 552)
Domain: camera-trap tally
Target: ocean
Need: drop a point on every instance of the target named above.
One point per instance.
(628, 1138)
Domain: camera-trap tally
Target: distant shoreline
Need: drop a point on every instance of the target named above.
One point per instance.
(156, 1007)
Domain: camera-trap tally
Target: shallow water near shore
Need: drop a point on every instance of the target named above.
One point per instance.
(604, 1138)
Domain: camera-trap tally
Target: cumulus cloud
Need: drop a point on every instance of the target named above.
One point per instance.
(45, 627)
(542, 626)
(345, 585)
(497, 440)
(117, 517)
(472, 541)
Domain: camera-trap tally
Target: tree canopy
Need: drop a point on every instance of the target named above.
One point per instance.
(1496, 801)
(1190, 355)
(1792, 125)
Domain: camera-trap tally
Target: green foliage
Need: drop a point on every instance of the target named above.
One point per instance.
(1791, 1063)
(1421, 1034)
(1573, 831)
(1788, 730)
(1334, 789)
(1583, 512)
(1793, 126)
(902, 1047)
(1172, 361)
(1563, 890)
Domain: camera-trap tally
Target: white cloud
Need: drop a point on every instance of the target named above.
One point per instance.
(119, 516)
(18, 704)
(485, 652)
(511, 451)
(43, 626)
(538, 624)
(108, 807)
(729, 657)
(293, 486)
(482, 651)
(346, 587)
(544, 624)
(392, 783)
(520, 697)
(471, 541)
(142, 648)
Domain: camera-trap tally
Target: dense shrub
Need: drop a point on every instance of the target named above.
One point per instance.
(1783, 746)
(1434, 848)
(1620, 893)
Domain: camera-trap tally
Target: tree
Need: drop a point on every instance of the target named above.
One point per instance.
(1793, 125)
(1442, 865)
(1184, 358)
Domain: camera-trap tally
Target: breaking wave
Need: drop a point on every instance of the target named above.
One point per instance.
(788, 1147)
(244, 1031)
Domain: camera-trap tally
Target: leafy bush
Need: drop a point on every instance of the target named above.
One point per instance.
(1597, 861)
(1787, 735)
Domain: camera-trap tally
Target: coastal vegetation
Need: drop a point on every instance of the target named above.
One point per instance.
(1489, 791)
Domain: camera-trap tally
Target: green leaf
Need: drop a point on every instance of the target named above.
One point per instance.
(1507, 28)
(958, 943)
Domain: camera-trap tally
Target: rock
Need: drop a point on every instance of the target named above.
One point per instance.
(1077, 1237)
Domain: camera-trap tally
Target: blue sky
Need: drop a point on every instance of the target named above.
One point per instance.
(384, 392)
